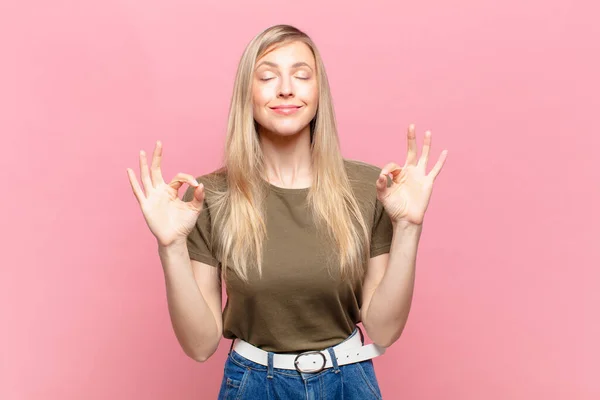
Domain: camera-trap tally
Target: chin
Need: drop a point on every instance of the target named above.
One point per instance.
(287, 130)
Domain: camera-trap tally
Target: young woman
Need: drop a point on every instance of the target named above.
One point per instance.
(308, 243)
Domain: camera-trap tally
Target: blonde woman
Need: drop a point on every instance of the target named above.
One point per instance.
(307, 242)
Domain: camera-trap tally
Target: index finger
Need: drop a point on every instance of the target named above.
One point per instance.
(411, 156)
(156, 160)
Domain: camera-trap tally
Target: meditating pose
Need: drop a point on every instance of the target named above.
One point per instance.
(308, 243)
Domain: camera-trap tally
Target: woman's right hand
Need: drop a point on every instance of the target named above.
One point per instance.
(169, 218)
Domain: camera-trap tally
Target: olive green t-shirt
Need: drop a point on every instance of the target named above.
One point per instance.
(297, 305)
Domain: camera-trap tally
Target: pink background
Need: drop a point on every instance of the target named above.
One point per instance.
(506, 300)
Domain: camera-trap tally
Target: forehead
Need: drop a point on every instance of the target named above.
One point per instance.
(288, 54)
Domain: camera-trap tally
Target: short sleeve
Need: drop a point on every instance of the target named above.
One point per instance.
(199, 239)
(382, 232)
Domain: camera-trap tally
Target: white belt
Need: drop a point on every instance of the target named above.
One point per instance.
(349, 351)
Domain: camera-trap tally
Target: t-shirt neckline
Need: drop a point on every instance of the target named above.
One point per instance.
(284, 190)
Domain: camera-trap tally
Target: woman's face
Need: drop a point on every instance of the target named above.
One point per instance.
(284, 89)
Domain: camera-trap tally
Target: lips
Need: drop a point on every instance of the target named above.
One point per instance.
(285, 109)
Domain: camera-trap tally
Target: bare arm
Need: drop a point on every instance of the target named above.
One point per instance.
(389, 285)
(193, 288)
(194, 301)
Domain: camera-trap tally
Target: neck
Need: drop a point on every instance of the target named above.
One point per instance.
(287, 158)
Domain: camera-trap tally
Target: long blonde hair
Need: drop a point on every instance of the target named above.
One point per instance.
(239, 227)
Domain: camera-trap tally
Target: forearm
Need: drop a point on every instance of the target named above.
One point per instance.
(390, 305)
(194, 324)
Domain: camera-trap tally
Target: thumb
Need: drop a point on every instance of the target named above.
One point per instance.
(198, 199)
(381, 183)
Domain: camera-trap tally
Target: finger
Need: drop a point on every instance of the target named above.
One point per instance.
(391, 169)
(425, 153)
(182, 178)
(381, 183)
(157, 178)
(438, 165)
(411, 156)
(135, 186)
(198, 199)
(144, 172)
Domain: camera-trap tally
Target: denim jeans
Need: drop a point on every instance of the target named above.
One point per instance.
(245, 379)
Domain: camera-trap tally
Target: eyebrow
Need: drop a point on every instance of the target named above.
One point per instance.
(296, 65)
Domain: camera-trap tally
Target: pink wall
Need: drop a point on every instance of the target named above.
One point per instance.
(506, 302)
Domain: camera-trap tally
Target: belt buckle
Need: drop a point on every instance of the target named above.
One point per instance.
(296, 362)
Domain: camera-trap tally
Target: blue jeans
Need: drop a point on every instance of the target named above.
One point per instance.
(245, 379)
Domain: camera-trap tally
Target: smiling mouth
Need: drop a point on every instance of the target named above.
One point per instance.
(285, 110)
(285, 107)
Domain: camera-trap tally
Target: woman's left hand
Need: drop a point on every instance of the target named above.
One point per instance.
(408, 196)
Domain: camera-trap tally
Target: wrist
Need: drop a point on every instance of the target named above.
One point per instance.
(405, 227)
(176, 245)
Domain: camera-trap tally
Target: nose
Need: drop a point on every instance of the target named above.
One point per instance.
(286, 89)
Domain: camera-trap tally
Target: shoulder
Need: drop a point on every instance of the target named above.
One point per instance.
(361, 171)
(362, 177)
(214, 182)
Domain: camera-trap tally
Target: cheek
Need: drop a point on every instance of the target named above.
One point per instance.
(261, 95)
(311, 94)
(260, 98)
